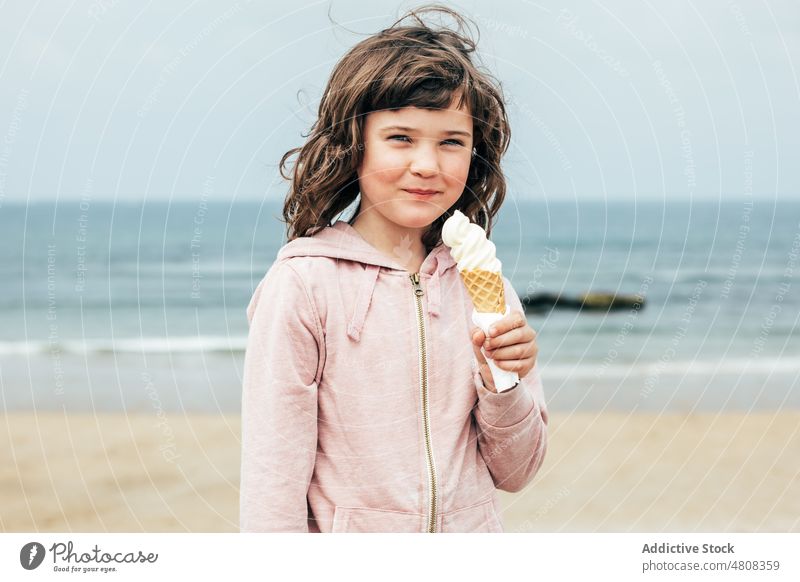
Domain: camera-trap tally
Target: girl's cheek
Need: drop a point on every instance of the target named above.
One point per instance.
(392, 163)
(457, 171)
(383, 167)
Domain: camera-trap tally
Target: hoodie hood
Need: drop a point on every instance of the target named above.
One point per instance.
(341, 241)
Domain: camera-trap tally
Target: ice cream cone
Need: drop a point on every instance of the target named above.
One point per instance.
(486, 290)
(481, 272)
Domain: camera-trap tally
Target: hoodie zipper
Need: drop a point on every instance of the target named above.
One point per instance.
(423, 385)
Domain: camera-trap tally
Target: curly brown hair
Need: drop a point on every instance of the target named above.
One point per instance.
(402, 66)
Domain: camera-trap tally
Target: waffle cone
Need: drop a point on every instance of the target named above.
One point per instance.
(486, 290)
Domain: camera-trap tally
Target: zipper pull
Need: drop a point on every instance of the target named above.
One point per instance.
(417, 287)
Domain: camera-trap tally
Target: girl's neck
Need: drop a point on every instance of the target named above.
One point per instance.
(403, 246)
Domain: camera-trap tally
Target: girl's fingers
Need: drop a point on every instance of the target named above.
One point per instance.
(486, 376)
(522, 367)
(513, 320)
(515, 336)
(515, 352)
(478, 354)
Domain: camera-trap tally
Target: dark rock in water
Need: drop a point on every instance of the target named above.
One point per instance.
(609, 301)
(540, 302)
(545, 301)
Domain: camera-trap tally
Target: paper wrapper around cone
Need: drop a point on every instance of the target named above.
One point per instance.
(488, 298)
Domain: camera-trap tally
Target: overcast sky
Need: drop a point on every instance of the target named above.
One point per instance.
(620, 99)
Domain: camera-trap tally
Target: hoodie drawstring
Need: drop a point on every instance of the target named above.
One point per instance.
(367, 289)
(362, 302)
(434, 294)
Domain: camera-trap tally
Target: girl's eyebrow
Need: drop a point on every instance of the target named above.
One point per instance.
(412, 130)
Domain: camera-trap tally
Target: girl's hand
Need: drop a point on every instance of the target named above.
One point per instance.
(512, 346)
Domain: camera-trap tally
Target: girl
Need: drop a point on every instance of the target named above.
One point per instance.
(365, 408)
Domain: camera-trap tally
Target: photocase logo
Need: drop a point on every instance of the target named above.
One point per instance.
(31, 555)
(403, 250)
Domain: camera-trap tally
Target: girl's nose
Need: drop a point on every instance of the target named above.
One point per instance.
(424, 162)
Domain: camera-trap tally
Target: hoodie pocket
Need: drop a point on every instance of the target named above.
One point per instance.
(366, 520)
(474, 519)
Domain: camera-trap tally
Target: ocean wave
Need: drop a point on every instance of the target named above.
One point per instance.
(731, 365)
(708, 366)
(144, 345)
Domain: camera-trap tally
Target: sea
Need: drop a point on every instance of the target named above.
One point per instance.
(140, 306)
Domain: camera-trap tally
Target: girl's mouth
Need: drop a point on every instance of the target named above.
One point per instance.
(422, 193)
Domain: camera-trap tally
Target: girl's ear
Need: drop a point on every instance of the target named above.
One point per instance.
(473, 167)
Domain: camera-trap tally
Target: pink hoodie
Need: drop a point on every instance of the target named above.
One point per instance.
(363, 410)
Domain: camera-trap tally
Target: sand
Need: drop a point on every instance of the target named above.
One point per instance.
(604, 472)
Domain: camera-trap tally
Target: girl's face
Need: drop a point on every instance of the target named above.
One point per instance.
(415, 165)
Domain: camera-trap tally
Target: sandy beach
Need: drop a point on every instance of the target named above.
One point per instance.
(604, 472)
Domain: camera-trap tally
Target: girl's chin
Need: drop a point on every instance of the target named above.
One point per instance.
(424, 208)
(420, 219)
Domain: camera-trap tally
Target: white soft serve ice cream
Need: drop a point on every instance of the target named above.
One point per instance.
(469, 245)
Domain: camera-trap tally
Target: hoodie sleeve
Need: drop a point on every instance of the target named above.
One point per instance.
(279, 404)
(512, 425)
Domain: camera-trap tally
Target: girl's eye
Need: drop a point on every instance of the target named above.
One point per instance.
(405, 138)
